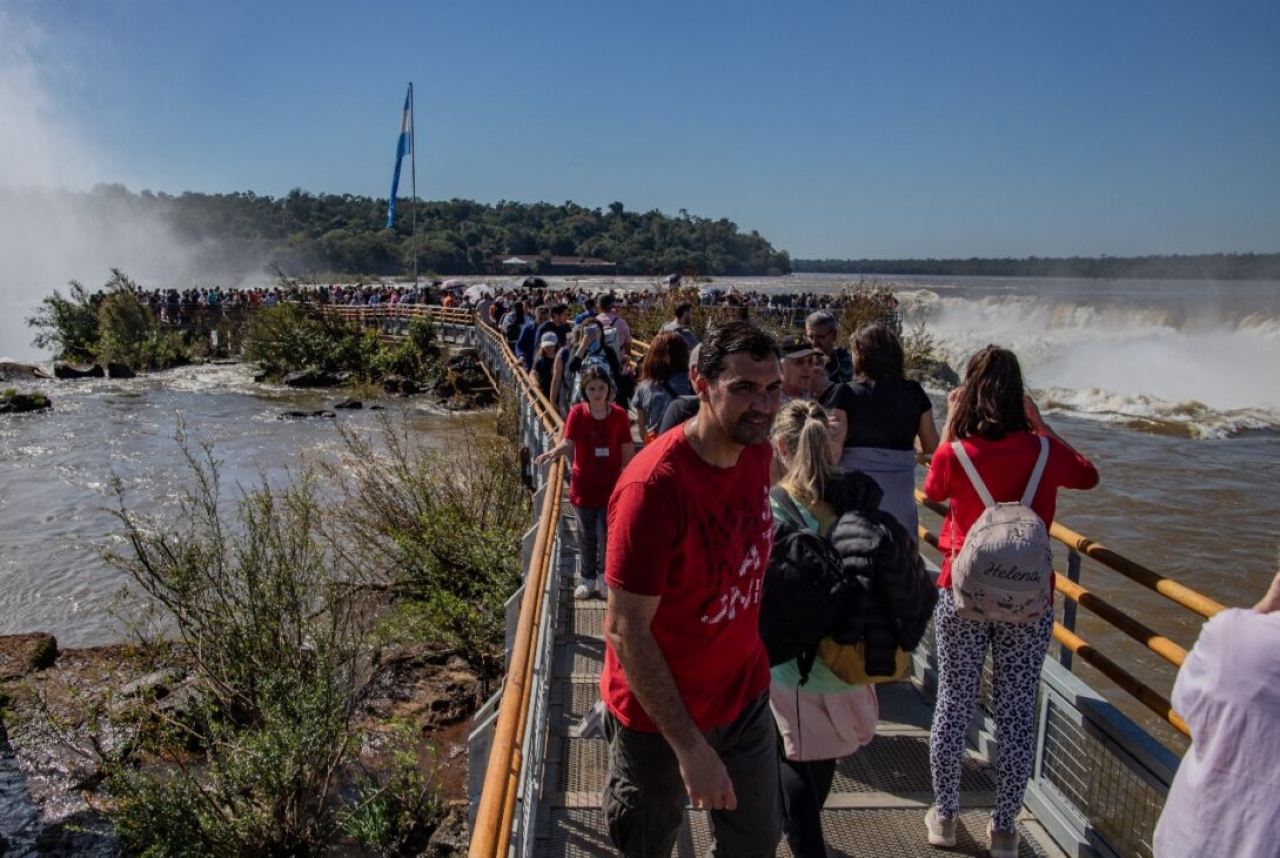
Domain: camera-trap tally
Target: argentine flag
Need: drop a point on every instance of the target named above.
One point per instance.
(404, 146)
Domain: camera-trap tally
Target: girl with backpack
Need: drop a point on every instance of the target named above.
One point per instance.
(591, 352)
(598, 435)
(664, 375)
(994, 429)
(821, 717)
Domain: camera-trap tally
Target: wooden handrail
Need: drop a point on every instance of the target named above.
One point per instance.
(1104, 610)
(1167, 587)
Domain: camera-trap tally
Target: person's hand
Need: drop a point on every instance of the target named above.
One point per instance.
(953, 398)
(1271, 602)
(543, 458)
(706, 779)
(1033, 416)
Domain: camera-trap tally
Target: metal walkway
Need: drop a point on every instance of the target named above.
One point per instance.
(877, 802)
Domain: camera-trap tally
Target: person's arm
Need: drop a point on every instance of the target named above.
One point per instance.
(1044, 430)
(927, 433)
(948, 435)
(557, 381)
(628, 449)
(627, 626)
(565, 446)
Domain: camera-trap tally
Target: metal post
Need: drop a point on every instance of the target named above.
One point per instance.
(1069, 607)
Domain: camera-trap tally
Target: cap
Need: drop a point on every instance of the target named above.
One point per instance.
(549, 339)
(796, 347)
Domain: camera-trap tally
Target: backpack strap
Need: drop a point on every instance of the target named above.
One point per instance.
(1037, 472)
(978, 485)
(981, 488)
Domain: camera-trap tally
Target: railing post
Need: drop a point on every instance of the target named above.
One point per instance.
(1069, 606)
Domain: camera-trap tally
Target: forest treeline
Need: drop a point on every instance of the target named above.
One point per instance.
(347, 234)
(1207, 266)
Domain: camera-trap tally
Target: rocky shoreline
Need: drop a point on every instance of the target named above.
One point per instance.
(55, 731)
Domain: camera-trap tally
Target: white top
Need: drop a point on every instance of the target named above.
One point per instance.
(1225, 800)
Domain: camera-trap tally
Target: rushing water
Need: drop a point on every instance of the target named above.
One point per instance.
(1171, 388)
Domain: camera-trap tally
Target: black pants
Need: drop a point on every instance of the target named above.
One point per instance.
(644, 800)
(805, 787)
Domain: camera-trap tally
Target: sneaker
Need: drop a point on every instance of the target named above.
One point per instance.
(602, 589)
(583, 591)
(942, 831)
(1004, 844)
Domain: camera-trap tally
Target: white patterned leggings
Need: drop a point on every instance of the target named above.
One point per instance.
(1017, 654)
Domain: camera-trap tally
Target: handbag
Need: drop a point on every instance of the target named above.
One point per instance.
(849, 662)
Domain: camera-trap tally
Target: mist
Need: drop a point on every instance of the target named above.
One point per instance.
(53, 229)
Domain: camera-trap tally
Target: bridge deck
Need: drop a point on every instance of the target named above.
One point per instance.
(877, 802)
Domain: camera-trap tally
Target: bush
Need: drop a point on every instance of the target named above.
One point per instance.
(267, 623)
(443, 529)
(68, 325)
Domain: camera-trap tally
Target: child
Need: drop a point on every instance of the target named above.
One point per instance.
(598, 434)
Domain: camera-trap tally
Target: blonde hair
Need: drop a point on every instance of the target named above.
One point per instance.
(801, 442)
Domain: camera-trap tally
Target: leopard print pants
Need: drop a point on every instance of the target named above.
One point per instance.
(1017, 654)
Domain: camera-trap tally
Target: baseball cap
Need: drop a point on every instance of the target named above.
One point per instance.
(549, 339)
(796, 347)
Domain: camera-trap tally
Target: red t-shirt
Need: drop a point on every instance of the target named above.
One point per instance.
(597, 453)
(1005, 466)
(698, 536)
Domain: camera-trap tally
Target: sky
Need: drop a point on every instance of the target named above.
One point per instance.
(836, 130)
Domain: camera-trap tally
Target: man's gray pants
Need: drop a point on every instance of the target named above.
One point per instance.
(644, 796)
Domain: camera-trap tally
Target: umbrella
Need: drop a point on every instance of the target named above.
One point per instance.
(534, 283)
(711, 291)
(454, 284)
(478, 291)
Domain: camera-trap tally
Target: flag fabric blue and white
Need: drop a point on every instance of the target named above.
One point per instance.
(404, 146)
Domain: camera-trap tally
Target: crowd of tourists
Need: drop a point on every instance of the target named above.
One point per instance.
(742, 657)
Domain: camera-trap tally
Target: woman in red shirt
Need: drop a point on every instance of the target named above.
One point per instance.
(1000, 429)
(598, 434)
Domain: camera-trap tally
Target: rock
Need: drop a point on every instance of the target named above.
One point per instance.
(11, 371)
(467, 375)
(78, 370)
(154, 685)
(451, 836)
(349, 405)
(313, 378)
(936, 372)
(298, 414)
(22, 654)
(20, 403)
(120, 370)
(400, 384)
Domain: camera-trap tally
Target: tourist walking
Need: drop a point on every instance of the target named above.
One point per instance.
(994, 428)
(597, 434)
(664, 375)
(821, 717)
(686, 676)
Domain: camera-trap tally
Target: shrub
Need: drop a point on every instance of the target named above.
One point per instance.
(68, 325)
(264, 613)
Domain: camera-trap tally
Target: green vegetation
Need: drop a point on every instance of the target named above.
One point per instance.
(277, 612)
(1208, 266)
(346, 235)
(110, 326)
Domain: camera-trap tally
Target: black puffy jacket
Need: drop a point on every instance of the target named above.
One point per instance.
(893, 596)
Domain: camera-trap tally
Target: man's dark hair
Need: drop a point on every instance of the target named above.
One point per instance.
(682, 308)
(606, 302)
(877, 353)
(733, 338)
(559, 309)
(990, 404)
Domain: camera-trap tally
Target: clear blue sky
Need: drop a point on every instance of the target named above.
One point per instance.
(835, 129)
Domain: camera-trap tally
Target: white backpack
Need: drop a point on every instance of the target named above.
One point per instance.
(1003, 572)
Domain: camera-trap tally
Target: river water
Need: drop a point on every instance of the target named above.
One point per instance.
(1170, 387)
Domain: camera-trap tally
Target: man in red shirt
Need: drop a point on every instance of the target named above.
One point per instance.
(686, 676)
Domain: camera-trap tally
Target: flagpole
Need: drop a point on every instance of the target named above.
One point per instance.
(413, 177)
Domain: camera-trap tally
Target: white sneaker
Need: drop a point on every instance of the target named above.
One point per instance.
(941, 831)
(1003, 844)
(583, 591)
(602, 589)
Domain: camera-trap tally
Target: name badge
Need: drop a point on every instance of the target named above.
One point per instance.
(602, 452)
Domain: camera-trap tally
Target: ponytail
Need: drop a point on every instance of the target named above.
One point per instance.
(802, 442)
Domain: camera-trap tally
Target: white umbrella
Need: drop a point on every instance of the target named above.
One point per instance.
(478, 291)
(453, 284)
